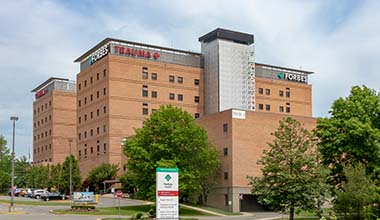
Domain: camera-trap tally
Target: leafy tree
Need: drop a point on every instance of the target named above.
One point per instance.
(357, 194)
(76, 177)
(38, 177)
(105, 171)
(170, 138)
(5, 165)
(352, 133)
(291, 175)
(55, 177)
(22, 166)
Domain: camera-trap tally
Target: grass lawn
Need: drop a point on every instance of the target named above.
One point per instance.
(38, 203)
(129, 210)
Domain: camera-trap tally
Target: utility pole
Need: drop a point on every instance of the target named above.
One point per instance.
(11, 206)
(71, 170)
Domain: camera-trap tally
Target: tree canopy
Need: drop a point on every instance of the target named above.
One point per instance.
(291, 175)
(352, 133)
(171, 138)
(5, 165)
(97, 175)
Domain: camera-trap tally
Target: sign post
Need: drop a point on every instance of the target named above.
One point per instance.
(119, 194)
(167, 193)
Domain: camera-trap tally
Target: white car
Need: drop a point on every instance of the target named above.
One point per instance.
(38, 192)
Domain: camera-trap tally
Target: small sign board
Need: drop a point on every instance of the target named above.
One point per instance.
(83, 197)
(119, 194)
(167, 193)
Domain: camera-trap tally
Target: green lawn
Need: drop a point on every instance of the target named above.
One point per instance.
(129, 211)
(38, 203)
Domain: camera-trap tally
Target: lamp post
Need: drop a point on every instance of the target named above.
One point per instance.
(11, 206)
(71, 169)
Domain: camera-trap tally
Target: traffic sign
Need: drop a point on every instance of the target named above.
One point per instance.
(119, 194)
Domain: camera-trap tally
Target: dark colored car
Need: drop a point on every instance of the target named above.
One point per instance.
(16, 192)
(52, 196)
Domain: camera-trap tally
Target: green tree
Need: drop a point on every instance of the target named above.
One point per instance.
(55, 177)
(22, 166)
(76, 177)
(38, 177)
(357, 195)
(351, 134)
(5, 165)
(170, 138)
(291, 175)
(105, 171)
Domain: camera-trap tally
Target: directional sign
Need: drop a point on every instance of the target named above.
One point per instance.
(167, 193)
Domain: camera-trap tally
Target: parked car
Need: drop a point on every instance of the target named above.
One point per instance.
(52, 196)
(37, 193)
(16, 192)
(29, 192)
(23, 192)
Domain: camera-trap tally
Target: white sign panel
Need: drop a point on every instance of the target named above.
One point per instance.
(239, 114)
(167, 193)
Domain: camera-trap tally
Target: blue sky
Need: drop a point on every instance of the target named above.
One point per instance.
(338, 40)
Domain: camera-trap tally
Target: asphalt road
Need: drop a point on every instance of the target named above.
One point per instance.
(32, 212)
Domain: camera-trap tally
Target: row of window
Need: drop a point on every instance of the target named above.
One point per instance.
(37, 150)
(145, 110)
(145, 75)
(280, 92)
(91, 115)
(41, 161)
(91, 132)
(92, 150)
(281, 108)
(154, 94)
(91, 97)
(42, 121)
(42, 135)
(41, 108)
(92, 79)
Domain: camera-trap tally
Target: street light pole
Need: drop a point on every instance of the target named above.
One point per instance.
(11, 206)
(71, 170)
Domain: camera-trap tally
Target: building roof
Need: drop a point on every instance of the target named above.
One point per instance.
(284, 68)
(235, 36)
(47, 82)
(107, 40)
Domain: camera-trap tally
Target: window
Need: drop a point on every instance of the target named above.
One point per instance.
(91, 132)
(145, 111)
(104, 91)
(154, 94)
(145, 93)
(85, 151)
(45, 105)
(225, 151)
(91, 80)
(97, 94)
(196, 98)
(261, 90)
(91, 97)
(79, 86)
(85, 83)
(49, 117)
(80, 103)
(154, 76)
(105, 147)
(104, 72)
(225, 175)
(261, 106)
(49, 103)
(80, 153)
(281, 108)
(97, 112)
(267, 107)
(79, 136)
(85, 134)
(171, 79)
(267, 91)
(97, 130)
(180, 79)
(91, 115)
(97, 76)
(85, 117)
(288, 94)
(34, 111)
(97, 148)
(180, 97)
(196, 115)
(85, 100)
(196, 82)
(281, 93)
(144, 75)
(287, 109)
(153, 110)
(104, 128)
(225, 127)
(104, 109)
(92, 150)
(171, 96)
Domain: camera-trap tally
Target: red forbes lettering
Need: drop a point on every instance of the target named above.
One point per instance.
(127, 51)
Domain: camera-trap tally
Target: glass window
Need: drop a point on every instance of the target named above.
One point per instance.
(171, 79)
(154, 94)
(171, 96)
(267, 107)
(225, 127)
(281, 108)
(288, 94)
(180, 97)
(225, 151)
(261, 106)
(145, 111)
(196, 98)
(287, 109)
(154, 76)
(145, 75)
(281, 93)
(180, 79)
(196, 115)
(225, 175)
(261, 90)
(145, 93)
(196, 82)
(267, 91)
